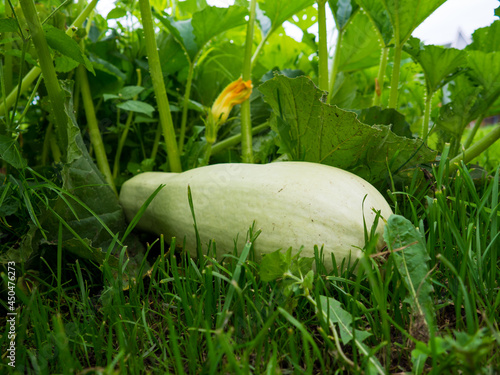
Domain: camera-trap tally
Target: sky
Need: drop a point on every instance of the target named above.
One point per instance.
(442, 27)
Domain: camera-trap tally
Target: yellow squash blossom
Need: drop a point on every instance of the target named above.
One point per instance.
(234, 93)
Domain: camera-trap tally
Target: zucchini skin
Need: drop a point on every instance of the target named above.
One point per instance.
(293, 203)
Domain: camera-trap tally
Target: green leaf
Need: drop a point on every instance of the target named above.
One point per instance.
(485, 68)
(486, 39)
(278, 11)
(182, 31)
(377, 13)
(440, 65)
(406, 15)
(11, 153)
(137, 106)
(8, 25)
(273, 266)
(332, 310)
(408, 249)
(116, 13)
(342, 11)
(129, 92)
(326, 134)
(212, 21)
(67, 46)
(360, 45)
(388, 116)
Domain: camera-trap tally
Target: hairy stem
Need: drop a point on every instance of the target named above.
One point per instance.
(54, 91)
(95, 134)
(235, 139)
(393, 98)
(123, 137)
(474, 130)
(35, 71)
(476, 149)
(185, 105)
(323, 47)
(335, 65)
(159, 87)
(427, 116)
(377, 96)
(246, 121)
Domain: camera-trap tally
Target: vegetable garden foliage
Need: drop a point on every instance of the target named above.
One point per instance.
(89, 100)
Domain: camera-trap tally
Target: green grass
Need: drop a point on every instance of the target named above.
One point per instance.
(211, 317)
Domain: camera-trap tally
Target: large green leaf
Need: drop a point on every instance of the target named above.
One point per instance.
(278, 11)
(485, 68)
(406, 15)
(342, 11)
(212, 21)
(440, 65)
(486, 39)
(387, 116)
(407, 246)
(380, 18)
(205, 24)
(322, 133)
(360, 46)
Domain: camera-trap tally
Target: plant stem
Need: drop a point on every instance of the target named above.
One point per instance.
(123, 137)
(46, 143)
(377, 96)
(235, 139)
(393, 98)
(154, 151)
(56, 95)
(476, 149)
(185, 106)
(7, 70)
(427, 116)
(159, 87)
(35, 71)
(335, 64)
(323, 47)
(256, 53)
(246, 121)
(474, 130)
(95, 134)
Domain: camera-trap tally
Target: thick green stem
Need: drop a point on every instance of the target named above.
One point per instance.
(159, 87)
(54, 91)
(235, 139)
(427, 116)
(393, 98)
(476, 149)
(335, 64)
(379, 88)
(7, 70)
(246, 121)
(322, 47)
(123, 137)
(185, 105)
(35, 71)
(95, 134)
(474, 130)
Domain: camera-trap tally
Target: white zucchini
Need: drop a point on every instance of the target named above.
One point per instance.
(293, 203)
